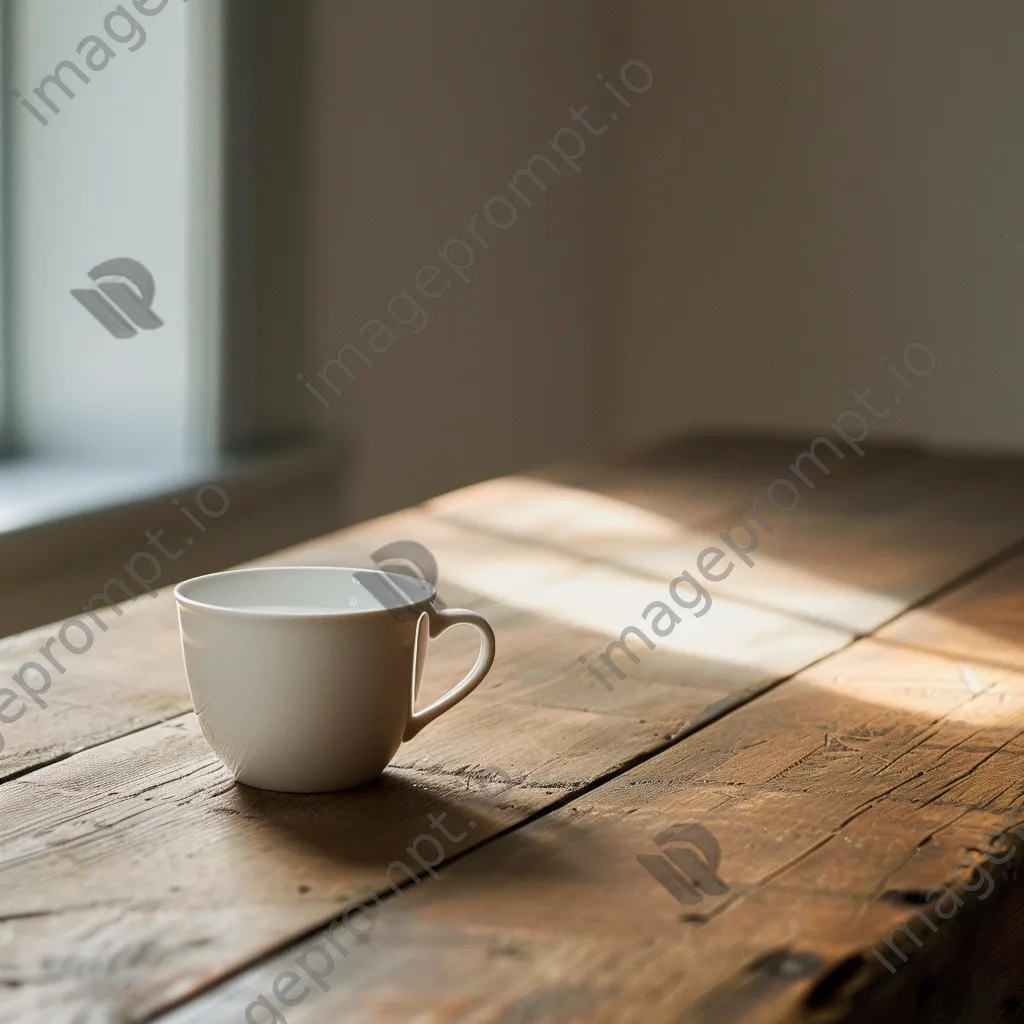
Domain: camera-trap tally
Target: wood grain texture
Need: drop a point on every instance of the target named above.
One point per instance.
(131, 675)
(840, 800)
(855, 552)
(152, 829)
(133, 873)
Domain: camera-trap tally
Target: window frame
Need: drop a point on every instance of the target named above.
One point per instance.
(266, 283)
(7, 445)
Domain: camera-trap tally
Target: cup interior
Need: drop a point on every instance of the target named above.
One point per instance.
(303, 591)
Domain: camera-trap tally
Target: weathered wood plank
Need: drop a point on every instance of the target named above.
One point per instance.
(156, 831)
(857, 550)
(85, 826)
(838, 801)
(131, 676)
(700, 479)
(538, 600)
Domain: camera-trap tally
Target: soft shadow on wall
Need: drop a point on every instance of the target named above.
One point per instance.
(420, 116)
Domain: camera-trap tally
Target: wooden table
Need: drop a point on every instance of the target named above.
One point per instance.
(845, 724)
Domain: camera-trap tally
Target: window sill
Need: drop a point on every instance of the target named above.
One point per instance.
(65, 529)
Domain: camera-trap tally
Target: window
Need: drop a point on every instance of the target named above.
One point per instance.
(153, 240)
(115, 234)
(123, 310)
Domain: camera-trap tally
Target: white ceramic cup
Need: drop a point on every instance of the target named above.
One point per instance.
(304, 679)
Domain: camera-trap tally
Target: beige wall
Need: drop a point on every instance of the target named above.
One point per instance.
(811, 186)
(805, 189)
(422, 113)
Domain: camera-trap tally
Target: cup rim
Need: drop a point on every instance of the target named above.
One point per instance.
(197, 604)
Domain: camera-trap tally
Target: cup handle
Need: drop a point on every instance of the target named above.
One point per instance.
(439, 621)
